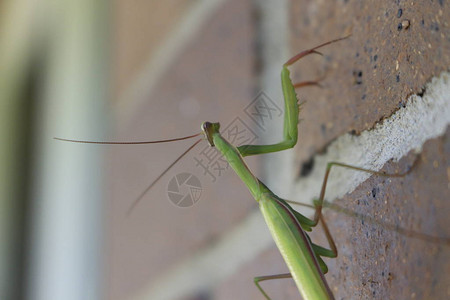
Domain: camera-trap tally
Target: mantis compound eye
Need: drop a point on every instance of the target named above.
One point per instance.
(209, 129)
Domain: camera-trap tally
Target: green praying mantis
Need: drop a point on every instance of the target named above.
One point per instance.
(288, 227)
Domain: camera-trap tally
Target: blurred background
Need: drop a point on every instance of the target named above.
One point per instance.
(149, 70)
(100, 70)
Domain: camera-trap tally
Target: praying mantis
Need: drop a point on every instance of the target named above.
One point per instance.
(288, 227)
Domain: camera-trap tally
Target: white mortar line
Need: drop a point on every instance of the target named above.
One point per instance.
(409, 128)
(155, 66)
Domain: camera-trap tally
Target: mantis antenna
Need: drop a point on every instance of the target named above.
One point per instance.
(135, 202)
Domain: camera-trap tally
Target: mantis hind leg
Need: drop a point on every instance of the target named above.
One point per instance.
(258, 279)
(320, 203)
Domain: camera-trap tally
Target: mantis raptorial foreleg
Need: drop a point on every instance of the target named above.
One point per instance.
(291, 108)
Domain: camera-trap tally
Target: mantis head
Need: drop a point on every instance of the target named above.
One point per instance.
(209, 129)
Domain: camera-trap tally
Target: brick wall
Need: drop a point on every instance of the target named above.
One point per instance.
(179, 63)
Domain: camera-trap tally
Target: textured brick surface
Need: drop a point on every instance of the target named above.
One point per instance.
(368, 77)
(370, 74)
(375, 262)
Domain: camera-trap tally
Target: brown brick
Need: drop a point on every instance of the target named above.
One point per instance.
(363, 84)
